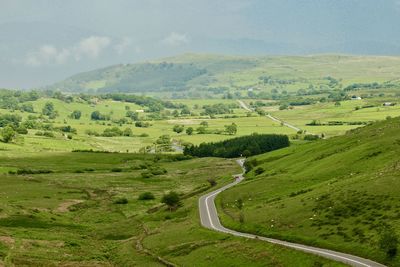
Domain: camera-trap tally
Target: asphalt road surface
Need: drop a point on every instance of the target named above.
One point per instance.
(209, 219)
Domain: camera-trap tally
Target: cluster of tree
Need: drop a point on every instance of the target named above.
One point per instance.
(272, 81)
(230, 129)
(11, 126)
(142, 124)
(97, 116)
(45, 133)
(375, 85)
(132, 115)
(14, 100)
(336, 123)
(49, 110)
(153, 105)
(66, 129)
(219, 108)
(241, 146)
(163, 144)
(111, 132)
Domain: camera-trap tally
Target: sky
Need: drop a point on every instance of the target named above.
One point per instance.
(44, 41)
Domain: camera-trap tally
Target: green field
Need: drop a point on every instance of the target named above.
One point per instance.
(69, 187)
(70, 217)
(117, 110)
(341, 193)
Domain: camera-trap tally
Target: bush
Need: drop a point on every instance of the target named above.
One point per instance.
(158, 171)
(212, 182)
(30, 171)
(146, 174)
(311, 137)
(142, 124)
(121, 200)
(22, 130)
(146, 196)
(259, 170)
(116, 170)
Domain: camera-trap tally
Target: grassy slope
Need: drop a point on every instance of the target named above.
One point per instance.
(234, 71)
(67, 218)
(116, 110)
(338, 193)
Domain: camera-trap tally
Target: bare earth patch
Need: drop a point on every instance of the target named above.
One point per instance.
(64, 207)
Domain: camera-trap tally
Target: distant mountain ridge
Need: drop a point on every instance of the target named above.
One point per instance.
(198, 72)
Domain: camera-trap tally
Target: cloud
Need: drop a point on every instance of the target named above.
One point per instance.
(90, 47)
(121, 46)
(175, 39)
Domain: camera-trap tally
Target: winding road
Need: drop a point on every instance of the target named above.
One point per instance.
(245, 107)
(209, 219)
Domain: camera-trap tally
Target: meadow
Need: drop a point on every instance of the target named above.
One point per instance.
(341, 193)
(142, 137)
(83, 209)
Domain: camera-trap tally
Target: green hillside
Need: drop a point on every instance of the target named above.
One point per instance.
(342, 193)
(213, 74)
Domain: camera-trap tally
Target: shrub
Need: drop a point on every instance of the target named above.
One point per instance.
(158, 171)
(121, 200)
(146, 174)
(30, 171)
(116, 169)
(212, 182)
(22, 130)
(259, 170)
(311, 137)
(146, 196)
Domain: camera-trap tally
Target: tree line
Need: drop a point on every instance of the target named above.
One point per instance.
(241, 146)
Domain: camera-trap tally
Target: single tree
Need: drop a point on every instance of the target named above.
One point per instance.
(178, 128)
(231, 129)
(189, 131)
(76, 114)
(204, 123)
(172, 200)
(8, 134)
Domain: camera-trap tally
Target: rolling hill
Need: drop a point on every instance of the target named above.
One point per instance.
(341, 193)
(216, 74)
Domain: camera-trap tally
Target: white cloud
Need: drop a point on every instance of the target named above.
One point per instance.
(121, 46)
(90, 47)
(175, 39)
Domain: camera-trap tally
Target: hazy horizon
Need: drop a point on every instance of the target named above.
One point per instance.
(46, 41)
